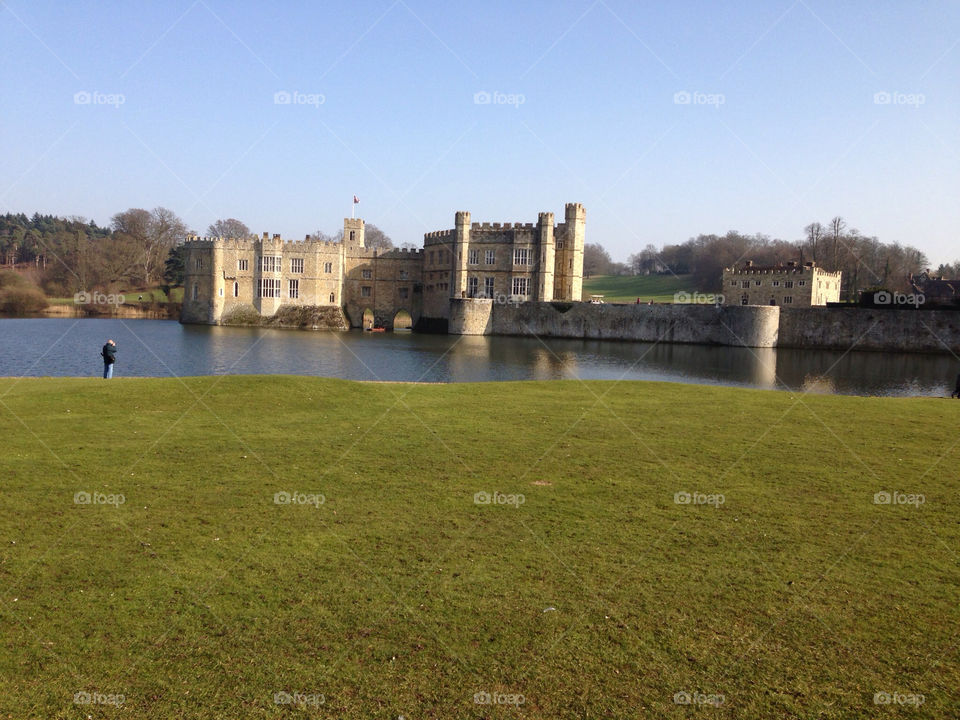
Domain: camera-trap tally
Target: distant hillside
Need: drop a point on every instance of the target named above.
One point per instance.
(627, 288)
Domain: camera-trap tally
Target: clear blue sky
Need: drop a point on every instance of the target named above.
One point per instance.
(782, 127)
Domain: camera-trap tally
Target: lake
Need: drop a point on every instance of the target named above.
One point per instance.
(164, 348)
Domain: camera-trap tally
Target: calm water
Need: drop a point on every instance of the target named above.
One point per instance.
(71, 347)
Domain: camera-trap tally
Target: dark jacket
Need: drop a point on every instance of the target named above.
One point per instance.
(109, 353)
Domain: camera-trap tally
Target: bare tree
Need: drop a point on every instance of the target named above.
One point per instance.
(814, 232)
(154, 234)
(596, 260)
(837, 226)
(374, 237)
(229, 228)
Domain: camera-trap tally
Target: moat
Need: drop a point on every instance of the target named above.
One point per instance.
(159, 348)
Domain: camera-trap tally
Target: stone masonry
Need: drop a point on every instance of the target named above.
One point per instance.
(510, 262)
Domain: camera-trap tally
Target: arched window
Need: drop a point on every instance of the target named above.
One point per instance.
(332, 298)
(196, 291)
(236, 289)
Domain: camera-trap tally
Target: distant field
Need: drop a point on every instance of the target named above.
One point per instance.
(133, 296)
(627, 288)
(320, 548)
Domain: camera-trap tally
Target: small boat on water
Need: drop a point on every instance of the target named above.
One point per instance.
(376, 329)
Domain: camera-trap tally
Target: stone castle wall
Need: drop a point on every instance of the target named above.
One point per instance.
(750, 326)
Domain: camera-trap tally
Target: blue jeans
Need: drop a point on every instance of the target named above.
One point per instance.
(108, 370)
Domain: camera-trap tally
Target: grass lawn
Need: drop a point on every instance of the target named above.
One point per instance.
(627, 288)
(133, 296)
(794, 595)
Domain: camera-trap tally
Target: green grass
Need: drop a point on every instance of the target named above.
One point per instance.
(133, 296)
(627, 288)
(599, 596)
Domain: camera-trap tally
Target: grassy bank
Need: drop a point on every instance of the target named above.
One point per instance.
(627, 288)
(395, 593)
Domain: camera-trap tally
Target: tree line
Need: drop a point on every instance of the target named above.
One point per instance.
(866, 262)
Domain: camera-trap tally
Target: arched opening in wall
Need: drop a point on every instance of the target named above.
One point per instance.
(333, 298)
(367, 319)
(236, 289)
(402, 321)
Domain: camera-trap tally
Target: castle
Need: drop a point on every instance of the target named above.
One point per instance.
(790, 284)
(393, 288)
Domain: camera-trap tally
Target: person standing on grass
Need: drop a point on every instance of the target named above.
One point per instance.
(109, 354)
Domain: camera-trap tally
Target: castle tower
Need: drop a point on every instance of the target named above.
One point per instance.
(217, 284)
(575, 220)
(353, 230)
(547, 257)
(461, 252)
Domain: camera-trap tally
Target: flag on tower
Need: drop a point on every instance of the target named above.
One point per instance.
(355, 199)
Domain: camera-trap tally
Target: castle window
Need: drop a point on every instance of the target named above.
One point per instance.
(776, 283)
(520, 286)
(296, 265)
(367, 274)
(268, 288)
(404, 293)
(801, 283)
(788, 299)
(745, 284)
(353, 235)
(733, 283)
(757, 282)
(243, 264)
(236, 289)
(559, 244)
(220, 292)
(571, 263)
(473, 285)
(520, 256)
(745, 300)
(488, 287)
(491, 257)
(365, 291)
(474, 258)
(333, 298)
(293, 290)
(196, 291)
(199, 263)
(404, 275)
(269, 263)
(788, 283)
(328, 267)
